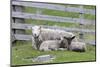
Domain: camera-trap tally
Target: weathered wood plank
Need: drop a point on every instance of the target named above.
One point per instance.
(53, 7)
(18, 20)
(12, 37)
(29, 38)
(50, 18)
(22, 37)
(28, 26)
(81, 34)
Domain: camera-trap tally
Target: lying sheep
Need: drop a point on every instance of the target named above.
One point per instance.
(49, 34)
(77, 46)
(49, 45)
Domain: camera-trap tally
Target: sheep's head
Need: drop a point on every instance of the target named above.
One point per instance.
(62, 42)
(69, 40)
(36, 30)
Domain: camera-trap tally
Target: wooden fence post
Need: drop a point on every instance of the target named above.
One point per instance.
(81, 34)
(12, 30)
(38, 12)
(18, 20)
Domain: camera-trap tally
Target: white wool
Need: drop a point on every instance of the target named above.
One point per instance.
(78, 45)
(59, 32)
(50, 44)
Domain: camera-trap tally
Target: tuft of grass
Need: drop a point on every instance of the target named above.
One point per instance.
(30, 9)
(90, 17)
(22, 52)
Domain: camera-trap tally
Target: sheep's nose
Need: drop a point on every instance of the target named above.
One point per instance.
(35, 35)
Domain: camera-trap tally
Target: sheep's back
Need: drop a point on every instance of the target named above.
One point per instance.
(78, 46)
(49, 34)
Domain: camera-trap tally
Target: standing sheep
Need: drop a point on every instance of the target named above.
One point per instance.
(36, 40)
(49, 34)
(77, 46)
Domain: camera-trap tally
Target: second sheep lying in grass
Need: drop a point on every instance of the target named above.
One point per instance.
(77, 46)
(49, 45)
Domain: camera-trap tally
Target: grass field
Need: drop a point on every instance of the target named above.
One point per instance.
(23, 51)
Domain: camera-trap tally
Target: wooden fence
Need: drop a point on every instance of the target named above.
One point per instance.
(18, 16)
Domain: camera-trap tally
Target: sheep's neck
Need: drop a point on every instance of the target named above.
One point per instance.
(37, 42)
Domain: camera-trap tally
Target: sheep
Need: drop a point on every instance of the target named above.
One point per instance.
(49, 34)
(49, 45)
(36, 40)
(77, 46)
(74, 45)
(68, 41)
(58, 44)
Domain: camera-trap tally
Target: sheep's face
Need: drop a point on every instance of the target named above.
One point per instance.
(69, 40)
(62, 42)
(36, 31)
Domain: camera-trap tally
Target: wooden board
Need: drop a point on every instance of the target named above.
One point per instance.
(54, 7)
(51, 18)
(28, 26)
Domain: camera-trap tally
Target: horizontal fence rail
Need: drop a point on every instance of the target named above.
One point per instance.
(51, 18)
(23, 37)
(29, 38)
(28, 26)
(54, 7)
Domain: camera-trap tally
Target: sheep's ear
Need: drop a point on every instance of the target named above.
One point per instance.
(58, 38)
(61, 38)
(32, 28)
(73, 37)
(65, 37)
(39, 27)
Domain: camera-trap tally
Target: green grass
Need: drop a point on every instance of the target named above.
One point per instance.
(58, 13)
(90, 7)
(23, 50)
(61, 13)
(50, 23)
(30, 9)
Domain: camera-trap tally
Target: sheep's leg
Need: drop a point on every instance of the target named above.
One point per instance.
(56, 49)
(33, 44)
(47, 49)
(44, 49)
(62, 49)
